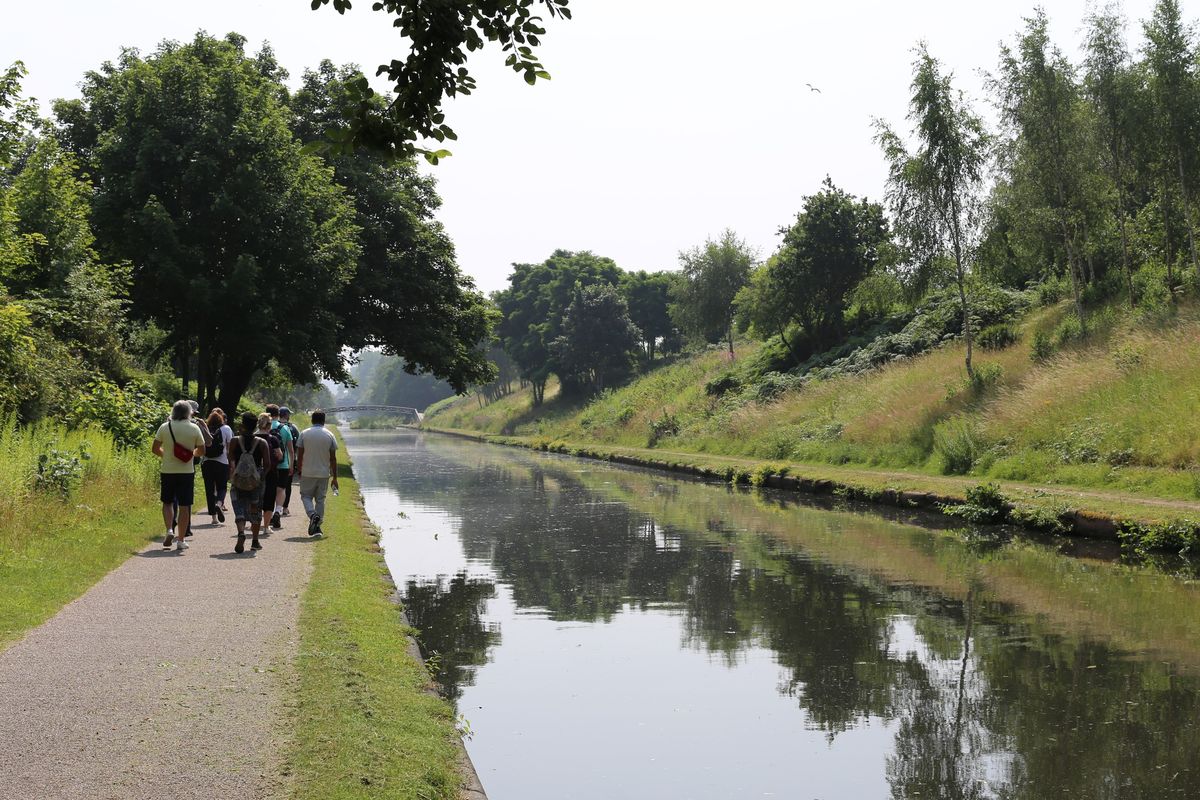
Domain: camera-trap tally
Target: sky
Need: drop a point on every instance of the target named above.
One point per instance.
(665, 122)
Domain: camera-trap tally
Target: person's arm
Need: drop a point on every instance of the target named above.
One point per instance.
(157, 447)
(291, 448)
(299, 458)
(333, 467)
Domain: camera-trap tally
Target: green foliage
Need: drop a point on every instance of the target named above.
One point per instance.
(712, 276)
(1042, 347)
(957, 444)
(665, 426)
(59, 471)
(648, 295)
(985, 504)
(598, 341)
(130, 415)
(998, 336)
(441, 37)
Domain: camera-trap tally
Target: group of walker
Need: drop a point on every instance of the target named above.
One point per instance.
(254, 469)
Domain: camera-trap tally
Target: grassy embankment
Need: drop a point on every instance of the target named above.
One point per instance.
(56, 544)
(365, 725)
(1110, 420)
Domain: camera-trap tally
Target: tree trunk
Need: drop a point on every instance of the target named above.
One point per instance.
(1168, 242)
(184, 369)
(1121, 222)
(729, 333)
(1187, 209)
(962, 294)
(788, 345)
(235, 380)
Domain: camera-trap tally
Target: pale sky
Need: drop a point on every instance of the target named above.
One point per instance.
(666, 121)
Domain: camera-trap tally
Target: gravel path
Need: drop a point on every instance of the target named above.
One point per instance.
(168, 678)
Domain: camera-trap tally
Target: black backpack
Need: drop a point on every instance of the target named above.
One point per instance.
(217, 447)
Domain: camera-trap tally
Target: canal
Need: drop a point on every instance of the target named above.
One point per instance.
(608, 632)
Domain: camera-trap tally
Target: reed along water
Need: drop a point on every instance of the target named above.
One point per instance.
(615, 633)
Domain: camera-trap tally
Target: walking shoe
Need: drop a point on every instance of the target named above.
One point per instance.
(314, 529)
(181, 545)
(254, 545)
(220, 516)
(286, 512)
(275, 523)
(240, 547)
(170, 537)
(312, 524)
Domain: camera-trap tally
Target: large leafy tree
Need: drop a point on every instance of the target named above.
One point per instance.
(713, 273)
(533, 306)
(1175, 84)
(440, 37)
(648, 295)
(598, 341)
(241, 245)
(1053, 146)
(935, 193)
(835, 242)
(407, 296)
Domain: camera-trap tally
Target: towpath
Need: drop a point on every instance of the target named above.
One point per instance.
(168, 678)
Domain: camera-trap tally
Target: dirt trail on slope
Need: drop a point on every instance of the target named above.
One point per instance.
(168, 678)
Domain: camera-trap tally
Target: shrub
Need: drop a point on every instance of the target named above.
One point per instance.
(986, 375)
(1069, 330)
(998, 336)
(957, 444)
(985, 504)
(129, 415)
(662, 428)
(722, 384)
(59, 471)
(1051, 290)
(1042, 347)
(773, 384)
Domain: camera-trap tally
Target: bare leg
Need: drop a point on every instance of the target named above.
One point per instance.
(185, 520)
(168, 516)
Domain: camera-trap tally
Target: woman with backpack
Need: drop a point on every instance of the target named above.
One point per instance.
(271, 479)
(215, 467)
(251, 460)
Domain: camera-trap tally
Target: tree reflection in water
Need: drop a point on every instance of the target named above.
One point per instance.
(984, 701)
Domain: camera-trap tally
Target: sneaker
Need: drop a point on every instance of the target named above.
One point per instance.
(286, 512)
(169, 538)
(240, 547)
(181, 545)
(313, 523)
(254, 545)
(275, 523)
(220, 516)
(316, 531)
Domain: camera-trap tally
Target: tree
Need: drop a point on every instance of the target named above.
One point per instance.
(407, 295)
(598, 341)
(241, 244)
(648, 295)
(935, 194)
(1171, 56)
(1053, 145)
(712, 276)
(533, 305)
(833, 245)
(440, 35)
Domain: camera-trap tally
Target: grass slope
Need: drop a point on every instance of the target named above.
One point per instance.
(365, 724)
(54, 547)
(1116, 411)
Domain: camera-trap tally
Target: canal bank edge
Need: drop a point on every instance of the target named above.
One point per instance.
(368, 720)
(1145, 522)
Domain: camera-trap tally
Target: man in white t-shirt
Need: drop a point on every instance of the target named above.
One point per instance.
(178, 443)
(316, 464)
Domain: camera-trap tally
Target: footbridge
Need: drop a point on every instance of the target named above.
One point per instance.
(390, 411)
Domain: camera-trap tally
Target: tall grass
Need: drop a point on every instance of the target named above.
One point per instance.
(54, 545)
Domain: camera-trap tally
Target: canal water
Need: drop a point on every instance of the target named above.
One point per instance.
(618, 634)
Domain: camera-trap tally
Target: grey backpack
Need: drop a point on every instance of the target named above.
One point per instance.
(247, 475)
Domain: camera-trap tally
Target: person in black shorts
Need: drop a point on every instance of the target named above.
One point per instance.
(271, 478)
(177, 443)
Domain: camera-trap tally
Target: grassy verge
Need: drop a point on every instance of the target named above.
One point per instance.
(365, 725)
(54, 544)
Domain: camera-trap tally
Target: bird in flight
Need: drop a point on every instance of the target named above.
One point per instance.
(812, 88)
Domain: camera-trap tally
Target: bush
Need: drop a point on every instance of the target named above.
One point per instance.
(1051, 290)
(722, 384)
(773, 384)
(998, 336)
(129, 415)
(1042, 347)
(986, 375)
(985, 504)
(1069, 330)
(662, 428)
(957, 444)
(59, 471)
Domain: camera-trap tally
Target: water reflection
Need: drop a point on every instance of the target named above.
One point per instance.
(1010, 673)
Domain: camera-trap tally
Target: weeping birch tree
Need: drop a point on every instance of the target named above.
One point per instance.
(935, 194)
